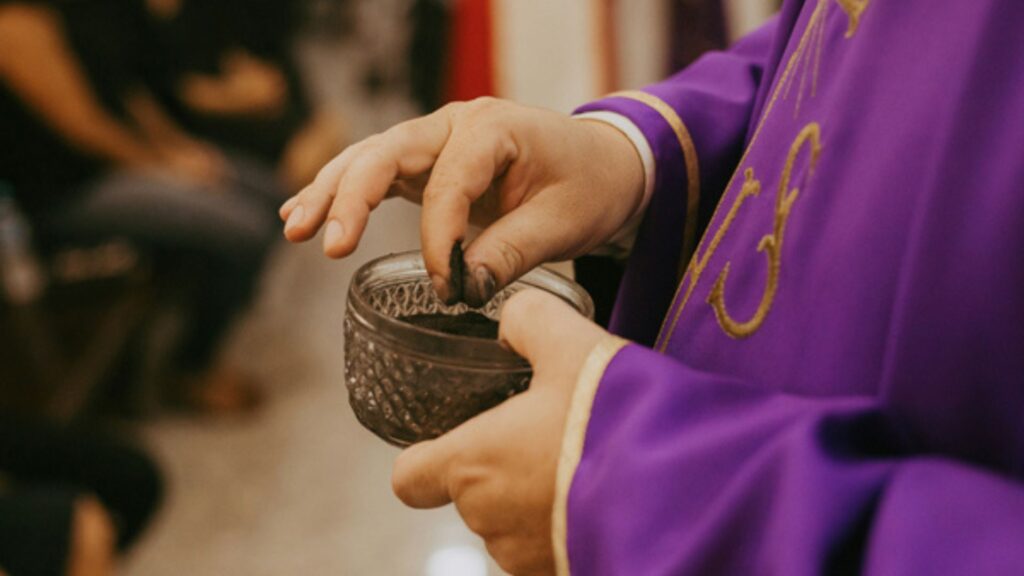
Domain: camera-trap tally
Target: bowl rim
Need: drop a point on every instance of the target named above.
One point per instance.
(466, 351)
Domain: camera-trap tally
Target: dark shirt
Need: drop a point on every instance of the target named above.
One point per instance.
(114, 54)
(195, 40)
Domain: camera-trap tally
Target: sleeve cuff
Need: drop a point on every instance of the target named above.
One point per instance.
(673, 151)
(572, 441)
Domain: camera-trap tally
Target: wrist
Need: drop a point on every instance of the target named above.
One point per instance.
(622, 162)
(628, 177)
(139, 156)
(640, 147)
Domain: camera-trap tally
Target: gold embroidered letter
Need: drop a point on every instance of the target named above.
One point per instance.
(771, 244)
(853, 9)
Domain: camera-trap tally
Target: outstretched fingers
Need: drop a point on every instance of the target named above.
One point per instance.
(304, 213)
(353, 184)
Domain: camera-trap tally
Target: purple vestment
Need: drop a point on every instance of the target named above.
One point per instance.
(838, 381)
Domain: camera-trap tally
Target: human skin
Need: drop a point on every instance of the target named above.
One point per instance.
(39, 67)
(499, 467)
(544, 187)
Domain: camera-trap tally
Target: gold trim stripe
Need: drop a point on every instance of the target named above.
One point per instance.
(572, 442)
(690, 280)
(692, 166)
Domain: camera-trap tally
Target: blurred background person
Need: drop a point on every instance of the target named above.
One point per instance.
(197, 111)
(231, 76)
(71, 498)
(92, 155)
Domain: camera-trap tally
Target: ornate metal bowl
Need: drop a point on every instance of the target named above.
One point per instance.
(407, 383)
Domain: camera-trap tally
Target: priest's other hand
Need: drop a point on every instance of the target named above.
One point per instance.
(499, 468)
(543, 185)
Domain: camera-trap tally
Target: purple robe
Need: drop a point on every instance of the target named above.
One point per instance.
(837, 383)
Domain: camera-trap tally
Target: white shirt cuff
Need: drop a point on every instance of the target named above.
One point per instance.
(620, 244)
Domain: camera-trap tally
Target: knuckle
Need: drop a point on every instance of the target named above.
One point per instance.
(453, 110)
(453, 107)
(323, 184)
(369, 204)
(462, 478)
(506, 553)
(434, 192)
(399, 135)
(484, 106)
(372, 156)
(486, 102)
(371, 142)
(511, 258)
(475, 523)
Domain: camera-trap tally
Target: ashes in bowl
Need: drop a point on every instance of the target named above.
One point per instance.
(416, 367)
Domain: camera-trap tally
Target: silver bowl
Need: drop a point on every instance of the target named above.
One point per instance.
(406, 383)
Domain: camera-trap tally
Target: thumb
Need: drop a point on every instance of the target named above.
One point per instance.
(510, 247)
(420, 475)
(549, 333)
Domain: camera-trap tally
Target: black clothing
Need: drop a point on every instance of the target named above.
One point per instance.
(40, 165)
(195, 41)
(50, 468)
(35, 531)
(73, 197)
(110, 45)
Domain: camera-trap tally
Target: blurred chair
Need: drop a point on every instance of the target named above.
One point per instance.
(68, 318)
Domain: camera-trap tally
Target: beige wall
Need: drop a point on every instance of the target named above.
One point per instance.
(546, 51)
(743, 16)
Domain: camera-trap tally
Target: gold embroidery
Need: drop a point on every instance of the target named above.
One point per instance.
(689, 156)
(693, 272)
(819, 45)
(808, 55)
(572, 442)
(771, 244)
(854, 9)
(811, 63)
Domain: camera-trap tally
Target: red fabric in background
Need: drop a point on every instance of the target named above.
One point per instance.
(471, 67)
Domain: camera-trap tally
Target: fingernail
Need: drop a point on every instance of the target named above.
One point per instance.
(333, 233)
(440, 287)
(295, 218)
(480, 288)
(289, 204)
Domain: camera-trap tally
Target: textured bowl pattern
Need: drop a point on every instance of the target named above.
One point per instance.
(406, 397)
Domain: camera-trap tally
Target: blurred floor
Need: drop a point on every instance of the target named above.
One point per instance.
(301, 488)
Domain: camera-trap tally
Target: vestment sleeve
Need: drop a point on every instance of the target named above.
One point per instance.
(695, 123)
(684, 472)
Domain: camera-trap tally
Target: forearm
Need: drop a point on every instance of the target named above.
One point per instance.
(39, 67)
(155, 124)
(111, 141)
(208, 94)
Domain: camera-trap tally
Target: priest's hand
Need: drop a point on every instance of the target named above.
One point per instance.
(545, 187)
(499, 468)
